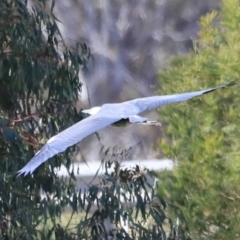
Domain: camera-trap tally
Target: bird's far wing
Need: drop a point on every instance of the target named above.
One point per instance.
(148, 103)
(67, 138)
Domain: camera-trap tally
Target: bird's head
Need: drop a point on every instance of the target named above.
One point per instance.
(92, 111)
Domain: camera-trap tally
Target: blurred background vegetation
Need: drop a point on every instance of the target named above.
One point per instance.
(130, 43)
(40, 83)
(203, 135)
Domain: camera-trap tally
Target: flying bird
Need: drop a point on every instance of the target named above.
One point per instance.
(101, 117)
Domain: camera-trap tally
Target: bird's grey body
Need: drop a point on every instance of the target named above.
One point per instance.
(102, 117)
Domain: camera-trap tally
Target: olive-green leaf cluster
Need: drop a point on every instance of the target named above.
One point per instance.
(39, 86)
(202, 135)
(126, 198)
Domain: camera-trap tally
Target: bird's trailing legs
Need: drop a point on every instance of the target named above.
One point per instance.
(143, 121)
(150, 123)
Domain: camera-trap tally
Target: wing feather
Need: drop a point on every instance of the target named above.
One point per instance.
(106, 116)
(148, 103)
(67, 138)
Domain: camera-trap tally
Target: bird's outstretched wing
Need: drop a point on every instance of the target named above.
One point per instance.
(67, 138)
(148, 103)
(110, 113)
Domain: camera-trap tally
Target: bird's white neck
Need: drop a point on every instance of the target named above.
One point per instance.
(92, 111)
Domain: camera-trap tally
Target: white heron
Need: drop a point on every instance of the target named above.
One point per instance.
(102, 117)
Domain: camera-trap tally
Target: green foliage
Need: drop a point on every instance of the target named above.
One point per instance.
(122, 204)
(127, 206)
(203, 134)
(39, 86)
